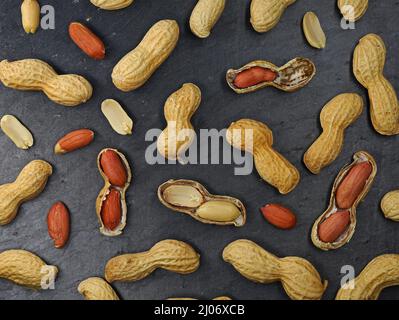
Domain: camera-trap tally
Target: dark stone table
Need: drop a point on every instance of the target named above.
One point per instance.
(294, 119)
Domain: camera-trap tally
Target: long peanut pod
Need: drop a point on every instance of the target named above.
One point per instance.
(205, 15)
(136, 67)
(179, 133)
(368, 67)
(380, 273)
(28, 185)
(300, 279)
(256, 138)
(97, 289)
(171, 255)
(265, 14)
(25, 268)
(336, 116)
(112, 4)
(353, 10)
(36, 75)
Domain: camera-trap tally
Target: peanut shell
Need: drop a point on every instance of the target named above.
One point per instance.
(353, 10)
(205, 15)
(97, 289)
(112, 4)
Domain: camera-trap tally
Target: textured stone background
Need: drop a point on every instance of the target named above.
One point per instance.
(293, 118)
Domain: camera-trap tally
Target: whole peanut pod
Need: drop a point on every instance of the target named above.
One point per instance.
(179, 133)
(336, 116)
(205, 15)
(368, 67)
(265, 14)
(25, 268)
(171, 255)
(30, 11)
(380, 273)
(36, 75)
(353, 10)
(30, 183)
(390, 205)
(112, 4)
(299, 278)
(97, 289)
(256, 138)
(136, 67)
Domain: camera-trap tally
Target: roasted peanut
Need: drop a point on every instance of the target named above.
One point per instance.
(113, 168)
(205, 15)
(279, 216)
(171, 255)
(138, 65)
(313, 31)
(336, 226)
(112, 4)
(117, 117)
(259, 74)
(36, 75)
(111, 205)
(16, 131)
(353, 185)
(87, 41)
(335, 117)
(58, 223)
(25, 268)
(256, 138)
(97, 289)
(30, 11)
(368, 67)
(28, 185)
(299, 278)
(111, 212)
(353, 10)
(192, 198)
(380, 273)
(179, 133)
(265, 14)
(390, 205)
(74, 140)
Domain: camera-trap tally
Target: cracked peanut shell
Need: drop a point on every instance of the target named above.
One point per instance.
(192, 198)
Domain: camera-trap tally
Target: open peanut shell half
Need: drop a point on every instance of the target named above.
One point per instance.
(259, 74)
(350, 187)
(190, 197)
(117, 217)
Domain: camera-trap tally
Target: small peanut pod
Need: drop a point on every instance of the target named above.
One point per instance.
(171, 255)
(368, 67)
(205, 15)
(336, 226)
(111, 205)
(30, 11)
(36, 75)
(136, 67)
(192, 198)
(28, 185)
(299, 278)
(336, 116)
(26, 269)
(381, 272)
(259, 74)
(265, 14)
(390, 205)
(179, 133)
(112, 4)
(97, 289)
(255, 137)
(353, 10)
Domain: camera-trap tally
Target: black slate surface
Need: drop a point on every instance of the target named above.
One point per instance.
(294, 119)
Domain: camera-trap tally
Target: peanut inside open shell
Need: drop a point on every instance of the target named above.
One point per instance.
(293, 76)
(192, 198)
(341, 216)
